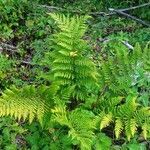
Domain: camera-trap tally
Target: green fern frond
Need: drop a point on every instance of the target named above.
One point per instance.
(60, 115)
(78, 131)
(124, 111)
(83, 132)
(122, 69)
(146, 57)
(137, 52)
(70, 64)
(26, 103)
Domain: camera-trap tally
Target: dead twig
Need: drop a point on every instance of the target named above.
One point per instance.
(53, 8)
(130, 16)
(8, 47)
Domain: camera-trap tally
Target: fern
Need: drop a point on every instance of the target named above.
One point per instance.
(126, 115)
(75, 80)
(106, 121)
(70, 64)
(78, 131)
(145, 130)
(27, 103)
(146, 57)
(122, 69)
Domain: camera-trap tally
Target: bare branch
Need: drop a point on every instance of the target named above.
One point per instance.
(130, 16)
(126, 43)
(8, 47)
(134, 7)
(53, 8)
(50, 8)
(27, 63)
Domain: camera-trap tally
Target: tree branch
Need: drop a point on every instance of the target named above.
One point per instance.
(130, 16)
(8, 47)
(52, 8)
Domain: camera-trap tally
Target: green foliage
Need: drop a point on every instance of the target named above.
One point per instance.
(102, 142)
(11, 13)
(5, 69)
(93, 5)
(122, 70)
(21, 17)
(28, 102)
(126, 115)
(84, 95)
(70, 64)
(11, 133)
(132, 145)
(80, 133)
(5, 65)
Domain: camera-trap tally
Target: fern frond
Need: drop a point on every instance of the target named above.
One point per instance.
(79, 131)
(26, 103)
(122, 70)
(60, 115)
(71, 66)
(146, 57)
(122, 111)
(83, 132)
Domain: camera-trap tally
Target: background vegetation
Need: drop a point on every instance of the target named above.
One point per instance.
(101, 103)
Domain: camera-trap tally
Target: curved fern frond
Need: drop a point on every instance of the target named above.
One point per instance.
(78, 131)
(127, 129)
(27, 103)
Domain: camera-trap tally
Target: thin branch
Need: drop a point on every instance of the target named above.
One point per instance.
(130, 16)
(129, 46)
(50, 8)
(8, 47)
(53, 8)
(124, 9)
(27, 63)
(126, 43)
(135, 7)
